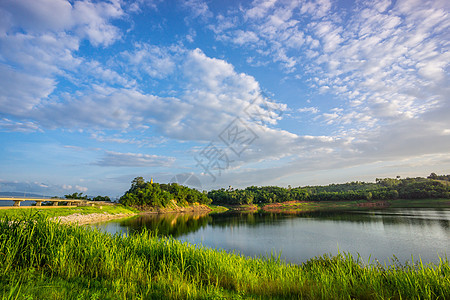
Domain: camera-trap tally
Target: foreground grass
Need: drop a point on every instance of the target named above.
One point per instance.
(45, 260)
(49, 211)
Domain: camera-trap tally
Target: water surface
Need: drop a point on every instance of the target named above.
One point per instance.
(377, 234)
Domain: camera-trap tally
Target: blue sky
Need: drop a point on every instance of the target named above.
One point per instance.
(95, 93)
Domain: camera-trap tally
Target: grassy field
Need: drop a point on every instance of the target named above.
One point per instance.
(50, 211)
(46, 260)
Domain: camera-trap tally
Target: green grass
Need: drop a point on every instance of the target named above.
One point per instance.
(48, 211)
(217, 208)
(46, 260)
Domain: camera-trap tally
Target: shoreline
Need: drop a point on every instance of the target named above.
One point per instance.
(100, 214)
(83, 219)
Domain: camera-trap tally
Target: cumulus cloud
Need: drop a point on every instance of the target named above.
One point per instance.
(38, 45)
(386, 61)
(158, 62)
(385, 65)
(89, 20)
(198, 8)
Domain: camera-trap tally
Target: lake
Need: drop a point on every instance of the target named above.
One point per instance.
(374, 234)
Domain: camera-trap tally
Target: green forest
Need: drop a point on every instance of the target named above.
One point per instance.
(145, 194)
(434, 186)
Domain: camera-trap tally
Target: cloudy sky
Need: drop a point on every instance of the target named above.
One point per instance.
(95, 93)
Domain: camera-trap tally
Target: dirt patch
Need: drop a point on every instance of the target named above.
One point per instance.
(242, 208)
(289, 207)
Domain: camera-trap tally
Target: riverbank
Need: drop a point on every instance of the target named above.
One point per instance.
(93, 214)
(46, 260)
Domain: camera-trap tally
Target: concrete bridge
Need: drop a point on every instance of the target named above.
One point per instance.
(54, 201)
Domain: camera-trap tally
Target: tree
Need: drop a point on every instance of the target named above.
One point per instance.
(137, 183)
(76, 196)
(143, 193)
(433, 176)
(101, 198)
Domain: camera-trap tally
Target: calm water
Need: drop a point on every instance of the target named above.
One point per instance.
(378, 234)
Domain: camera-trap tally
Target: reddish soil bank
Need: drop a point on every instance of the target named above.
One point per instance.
(380, 203)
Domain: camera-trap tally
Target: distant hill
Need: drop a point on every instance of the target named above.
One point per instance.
(19, 194)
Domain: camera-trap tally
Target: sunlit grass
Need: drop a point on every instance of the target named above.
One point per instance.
(45, 260)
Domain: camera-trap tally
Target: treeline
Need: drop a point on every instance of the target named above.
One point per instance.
(439, 177)
(85, 197)
(142, 193)
(382, 189)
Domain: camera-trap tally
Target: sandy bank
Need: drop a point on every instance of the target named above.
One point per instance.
(81, 219)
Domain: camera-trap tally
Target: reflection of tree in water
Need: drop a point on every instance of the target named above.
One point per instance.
(181, 224)
(247, 218)
(173, 224)
(415, 217)
(420, 217)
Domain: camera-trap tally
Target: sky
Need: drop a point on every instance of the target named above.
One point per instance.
(217, 93)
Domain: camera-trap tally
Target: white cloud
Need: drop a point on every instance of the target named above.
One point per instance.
(384, 62)
(317, 9)
(244, 37)
(396, 53)
(39, 15)
(259, 8)
(313, 110)
(10, 125)
(21, 92)
(158, 62)
(198, 8)
(81, 188)
(111, 109)
(39, 44)
(116, 159)
(88, 19)
(92, 21)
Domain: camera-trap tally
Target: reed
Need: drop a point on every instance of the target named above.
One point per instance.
(40, 259)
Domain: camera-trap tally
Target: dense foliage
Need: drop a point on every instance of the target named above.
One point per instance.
(76, 196)
(142, 193)
(85, 197)
(382, 189)
(45, 260)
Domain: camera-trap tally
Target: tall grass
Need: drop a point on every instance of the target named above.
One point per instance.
(45, 260)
